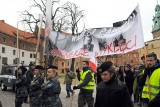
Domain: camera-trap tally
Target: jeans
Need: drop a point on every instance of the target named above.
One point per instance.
(68, 88)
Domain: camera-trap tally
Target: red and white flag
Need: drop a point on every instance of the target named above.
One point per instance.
(93, 63)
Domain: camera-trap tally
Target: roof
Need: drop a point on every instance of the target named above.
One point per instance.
(155, 39)
(12, 31)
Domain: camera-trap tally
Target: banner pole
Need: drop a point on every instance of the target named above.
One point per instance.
(38, 41)
(123, 68)
(145, 53)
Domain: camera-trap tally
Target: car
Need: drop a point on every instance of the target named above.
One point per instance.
(8, 77)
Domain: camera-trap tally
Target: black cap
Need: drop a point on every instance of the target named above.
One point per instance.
(105, 66)
(52, 67)
(31, 64)
(39, 67)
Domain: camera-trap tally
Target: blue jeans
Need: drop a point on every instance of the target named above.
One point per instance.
(68, 88)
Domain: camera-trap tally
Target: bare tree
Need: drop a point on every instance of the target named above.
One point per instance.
(74, 15)
(32, 19)
(64, 18)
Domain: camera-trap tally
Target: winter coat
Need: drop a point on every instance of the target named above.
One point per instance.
(35, 91)
(50, 93)
(69, 77)
(129, 79)
(21, 89)
(112, 94)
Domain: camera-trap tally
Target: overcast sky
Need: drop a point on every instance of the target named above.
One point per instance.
(98, 13)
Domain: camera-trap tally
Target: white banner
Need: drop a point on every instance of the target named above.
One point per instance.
(100, 41)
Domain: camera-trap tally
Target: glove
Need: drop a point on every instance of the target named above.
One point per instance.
(75, 87)
(146, 72)
(77, 70)
(151, 104)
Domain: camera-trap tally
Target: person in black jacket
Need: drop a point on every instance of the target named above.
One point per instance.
(51, 89)
(129, 78)
(29, 76)
(35, 87)
(20, 84)
(98, 78)
(111, 92)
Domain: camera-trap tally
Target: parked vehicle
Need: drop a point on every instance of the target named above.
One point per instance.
(8, 77)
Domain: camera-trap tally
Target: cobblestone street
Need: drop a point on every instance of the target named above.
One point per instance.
(8, 97)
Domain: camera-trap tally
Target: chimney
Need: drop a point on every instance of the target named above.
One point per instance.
(2, 21)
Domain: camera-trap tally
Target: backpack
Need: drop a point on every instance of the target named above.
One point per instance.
(73, 75)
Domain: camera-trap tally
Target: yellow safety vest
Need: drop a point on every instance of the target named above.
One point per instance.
(90, 85)
(153, 88)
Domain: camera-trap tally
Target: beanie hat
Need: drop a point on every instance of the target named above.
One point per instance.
(52, 67)
(105, 67)
(39, 67)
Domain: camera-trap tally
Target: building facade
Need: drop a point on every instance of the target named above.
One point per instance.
(9, 53)
(154, 44)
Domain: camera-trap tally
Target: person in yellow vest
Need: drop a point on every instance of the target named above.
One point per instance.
(151, 82)
(86, 86)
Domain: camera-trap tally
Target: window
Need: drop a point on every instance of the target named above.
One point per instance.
(3, 49)
(156, 23)
(34, 55)
(23, 46)
(68, 63)
(152, 46)
(30, 55)
(136, 59)
(62, 64)
(22, 54)
(14, 43)
(14, 52)
(77, 63)
(4, 40)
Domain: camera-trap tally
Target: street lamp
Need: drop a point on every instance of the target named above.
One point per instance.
(18, 52)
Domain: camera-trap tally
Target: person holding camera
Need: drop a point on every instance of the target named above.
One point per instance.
(70, 75)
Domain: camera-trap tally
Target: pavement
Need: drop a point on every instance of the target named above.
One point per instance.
(8, 97)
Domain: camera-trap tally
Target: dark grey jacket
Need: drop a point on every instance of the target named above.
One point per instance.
(21, 89)
(112, 94)
(51, 91)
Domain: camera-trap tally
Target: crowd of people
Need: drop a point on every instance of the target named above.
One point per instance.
(115, 86)
(33, 85)
(119, 84)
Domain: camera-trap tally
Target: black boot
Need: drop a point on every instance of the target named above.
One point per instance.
(68, 94)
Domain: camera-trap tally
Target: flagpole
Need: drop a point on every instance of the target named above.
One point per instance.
(17, 48)
(17, 44)
(38, 41)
